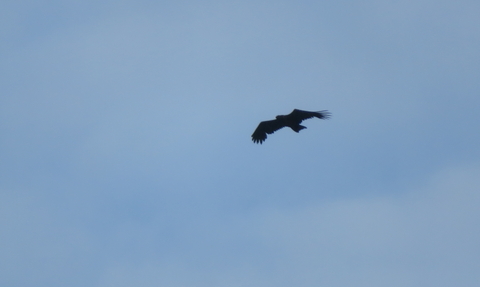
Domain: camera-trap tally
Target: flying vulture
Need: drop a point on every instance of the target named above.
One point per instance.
(291, 120)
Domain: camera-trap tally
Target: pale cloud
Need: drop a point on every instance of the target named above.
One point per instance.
(427, 236)
(424, 237)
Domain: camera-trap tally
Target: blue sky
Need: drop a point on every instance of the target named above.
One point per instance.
(126, 157)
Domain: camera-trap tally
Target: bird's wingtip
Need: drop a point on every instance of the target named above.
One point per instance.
(325, 114)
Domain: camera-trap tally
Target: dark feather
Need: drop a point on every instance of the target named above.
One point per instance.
(291, 120)
(264, 128)
(299, 115)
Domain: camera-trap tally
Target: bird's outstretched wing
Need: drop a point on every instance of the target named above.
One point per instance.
(264, 128)
(298, 116)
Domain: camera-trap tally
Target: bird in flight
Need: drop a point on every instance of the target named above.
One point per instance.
(291, 120)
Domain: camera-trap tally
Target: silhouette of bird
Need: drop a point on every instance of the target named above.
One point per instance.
(291, 120)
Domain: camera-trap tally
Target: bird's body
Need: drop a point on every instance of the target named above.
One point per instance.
(291, 120)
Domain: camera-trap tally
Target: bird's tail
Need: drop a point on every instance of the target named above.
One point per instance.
(298, 128)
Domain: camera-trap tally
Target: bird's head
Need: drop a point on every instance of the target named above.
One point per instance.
(279, 117)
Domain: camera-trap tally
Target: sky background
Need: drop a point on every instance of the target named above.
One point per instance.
(126, 157)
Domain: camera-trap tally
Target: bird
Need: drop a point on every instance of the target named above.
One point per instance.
(291, 120)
